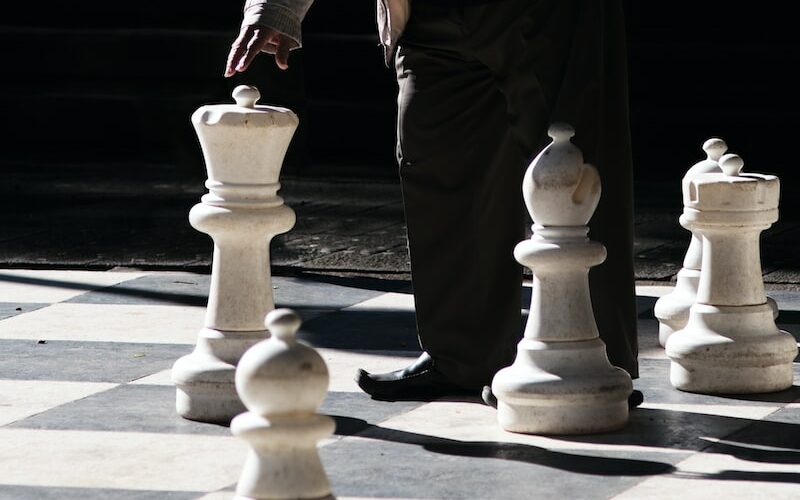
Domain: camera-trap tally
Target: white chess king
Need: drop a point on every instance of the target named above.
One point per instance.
(731, 344)
(561, 381)
(243, 145)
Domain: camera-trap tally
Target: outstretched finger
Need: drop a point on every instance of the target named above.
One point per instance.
(282, 53)
(258, 41)
(238, 48)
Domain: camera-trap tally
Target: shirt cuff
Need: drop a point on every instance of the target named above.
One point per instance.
(276, 17)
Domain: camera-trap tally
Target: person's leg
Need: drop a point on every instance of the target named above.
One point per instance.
(562, 60)
(461, 173)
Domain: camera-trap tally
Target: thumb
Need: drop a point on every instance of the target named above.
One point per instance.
(282, 54)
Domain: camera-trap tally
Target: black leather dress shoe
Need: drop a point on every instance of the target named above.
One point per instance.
(635, 399)
(419, 381)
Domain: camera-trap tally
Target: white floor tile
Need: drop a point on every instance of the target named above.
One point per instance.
(708, 475)
(22, 398)
(163, 377)
(107, 323)
(732, 410)
(227, 495)
(470, 422)
(121, 460)
(387, 302)
(55, 286)
(653, 290)
(218, 495)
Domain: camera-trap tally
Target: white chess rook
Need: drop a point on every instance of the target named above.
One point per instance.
(282, 381)
(561, 381)
(672, 310)
(730, 344)
(243, 145)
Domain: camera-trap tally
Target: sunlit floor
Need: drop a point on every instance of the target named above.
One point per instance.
(87, 407)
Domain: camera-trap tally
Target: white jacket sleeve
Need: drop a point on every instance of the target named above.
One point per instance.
(284, 16)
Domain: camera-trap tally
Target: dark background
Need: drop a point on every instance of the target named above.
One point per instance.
(103, 90)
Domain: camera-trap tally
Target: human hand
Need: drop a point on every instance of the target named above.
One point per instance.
(255, 39)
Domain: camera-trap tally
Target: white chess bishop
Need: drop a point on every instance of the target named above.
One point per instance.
(243, 145)
(730, 344)
(561, 381)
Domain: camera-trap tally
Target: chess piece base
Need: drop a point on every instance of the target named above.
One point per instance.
(563, 420)
(562, 388)
(731, 350)
(205, 390)
(284, 462)
(710, 379)
(205, 379)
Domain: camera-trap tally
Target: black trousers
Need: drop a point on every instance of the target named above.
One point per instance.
(479, 83)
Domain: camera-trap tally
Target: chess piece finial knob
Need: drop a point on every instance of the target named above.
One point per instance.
(561, 132)
(715, 148)
(283, 324)
(246, 96)
(731, 165)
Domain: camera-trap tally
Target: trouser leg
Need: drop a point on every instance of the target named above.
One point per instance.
(479, 85)
(461, 171)
(563, 60)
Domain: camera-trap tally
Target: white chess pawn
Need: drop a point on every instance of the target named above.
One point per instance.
(282, 382)
(243, 145)
(561, 381)
(730, 344)
(672, 310)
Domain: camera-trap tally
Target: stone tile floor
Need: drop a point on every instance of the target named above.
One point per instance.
(86, 406)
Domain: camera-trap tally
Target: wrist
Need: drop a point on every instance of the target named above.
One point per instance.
(276, 17)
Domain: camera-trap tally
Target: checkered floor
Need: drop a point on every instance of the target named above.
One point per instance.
(87, 407)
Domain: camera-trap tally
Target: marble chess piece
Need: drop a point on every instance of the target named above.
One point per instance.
(282, 382)
(561, 381)
(672, 310)
(731, 344)
(243, 145)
